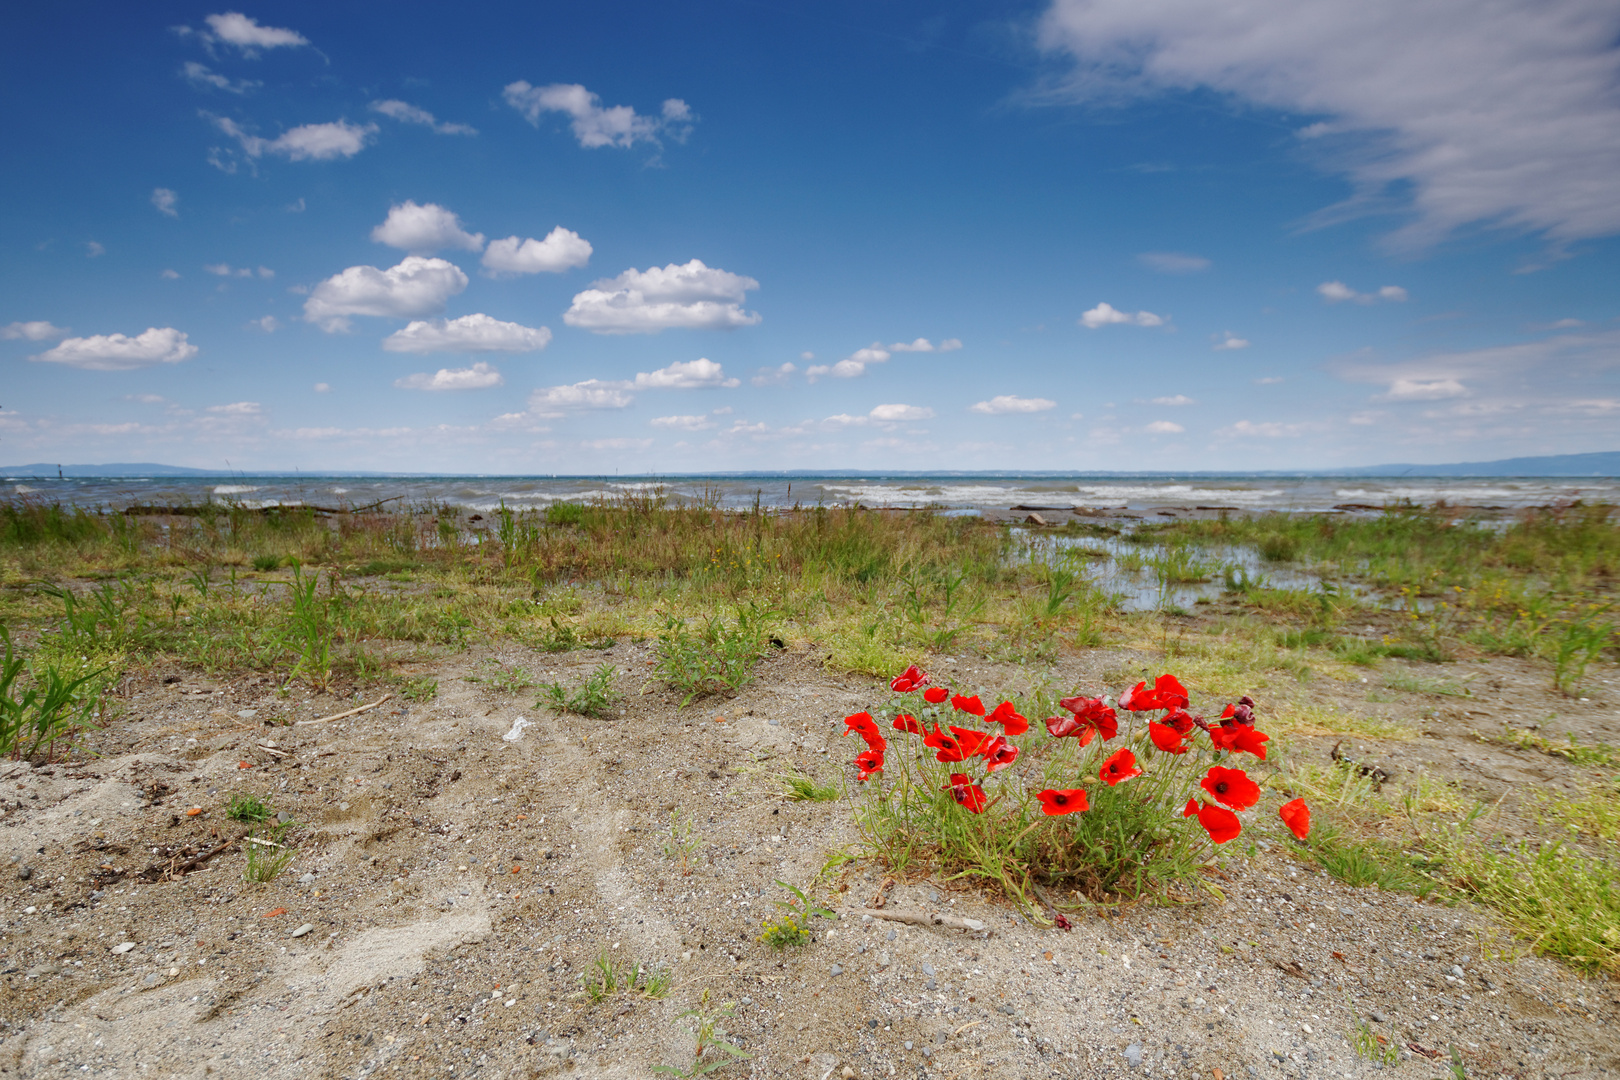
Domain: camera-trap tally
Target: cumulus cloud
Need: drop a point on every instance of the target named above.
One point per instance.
(616, 443)
(595, 126)
(1411, 389)
(200, 75)
(1266, 429)
(407, 113)
(898, 413)
(236, 408)
(590, 394)
(1335, 292)
(323, 388)
(922, 344)
(119, 352)
(478, 377)
(424, 229)
(1268, 380)
(1105, 314)
(308, 142)
(685, 375)
(1165, 427)
(774, 376)
(1177, 399)
(246, 34)
(1498, 112)
(415, 287)
(93, 250)
(170, 275)
(227, 270)
(562, 249)
(850, 367)
(267, 324)
(38, 330)
(690, 296)
(1231, 342)
(683, 423)
(1007, 404)
(165, 200)
(1173, 262)
(477, 333)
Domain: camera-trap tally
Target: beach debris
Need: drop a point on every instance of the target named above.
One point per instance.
(343, 715)
(302, 930)
(517, 729)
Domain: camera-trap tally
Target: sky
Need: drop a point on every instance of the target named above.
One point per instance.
(1072, 235)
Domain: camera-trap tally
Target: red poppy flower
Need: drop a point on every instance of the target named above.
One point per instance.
(1297, 816)
(908, 680)
(1167, 693)
(1005, 715)
(1232, 787)
(1055, 803)
(1166, 738)
(1221, 824)
(1091, 718)
(909, 725)
(1242, 712)
(949, 749)
(1179, 719)
(998, 753)
(868, 763)
(967, 794)
(1122, 766)
(1190, 809)
(971, 740)
(968, 704)
(1239, 740)
(935, 694)
(861, 722)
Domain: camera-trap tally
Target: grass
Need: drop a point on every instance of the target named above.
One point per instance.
(249, 809)
(718, 657)
(803, 789)
(593, 697)
(267, 855)
(713, 1050)
(680, 845)
(44, 707)
(607, 977)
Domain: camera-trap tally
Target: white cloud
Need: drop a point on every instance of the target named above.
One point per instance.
(807, 355)
(268, 324)
(562, 249)
(1178, 399)
(323, 388)
(407, 113)
(1006, 404)
(595, 126)
(170, 275)
(690, 296)
(685, 375)
(308, 142)
(1268, 380)
(477, 333)
(775, 376)
(683, 423)
(236, 408)
(1335, 292)
(478, 377)
(852, 366)
(925, 346)
(39, 330)
(898, 413)
(590, 394)
(1105, 314)
(199, 75)
(1173, 262)
(165, 200)
(415, 287)
(1165, 427)
(1366, 419)
(1231, 342)
(226, 270)
(1499, 112)
(619, 443)
(1268, 429)
(1416, 389)
(246, 34)
(93, 250)
(422, 230)
(118, 352)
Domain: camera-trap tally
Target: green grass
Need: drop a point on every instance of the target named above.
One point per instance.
(248, 808)
(609, 977)
(804, 789)
(595, 695)
(716, 657)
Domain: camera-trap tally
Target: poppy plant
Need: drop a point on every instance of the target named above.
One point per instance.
(1005, 715)
(968, 795)
(1297, 816)
(971, 740)
(1091, 718)
(1122, 766)
(1166, 738)
(1167, 693)
(998, 753)
(868, 763)
(1056, 803)
(1180, 720)
(949, 749)
(935, 694)
(908, 680)
(1232, 787)
(1190, 809)
(967, 704)
(909, 725)
(1239, 740)
(863, 725)
(1221, 824)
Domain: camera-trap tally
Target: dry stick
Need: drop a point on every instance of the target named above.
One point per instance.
(341, 715)
(926, 918)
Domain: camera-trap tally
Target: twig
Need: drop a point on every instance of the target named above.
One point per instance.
(928, 918)
(341, 715)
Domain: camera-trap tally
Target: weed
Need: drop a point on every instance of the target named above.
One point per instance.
(719, 658)
(1582, 642)
(714, 1050)
(1367, 1043)
(790, 927)
(804, 789)
(420, 689)
(509, 680)
(248, 809)
(57, 705)
(267, 563)
(607, 978)
(679, 843)
(1374, 862)
(594, 697)
(267, 856)
(311, 624)
(1600, 754)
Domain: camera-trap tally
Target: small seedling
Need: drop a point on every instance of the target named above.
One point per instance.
(712, 1041)
(607, 977)
(791, 926)
(509, 680)
(249, 809)
(594, 697)
(680, 844)
(421, 689)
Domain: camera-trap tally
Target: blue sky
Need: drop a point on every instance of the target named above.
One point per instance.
(1115, 234)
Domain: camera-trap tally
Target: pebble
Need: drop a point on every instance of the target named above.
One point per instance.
(25, 873)
(29, 910)
(928, 969)
(306, 879)
(152, 979)
(120, 950)
(1456, 969)
(891, 935)
(283, 817)
(302, 930)
(883, 960)
(247, 714)
(908, 1044)
(1377, 1017)
(747, 1001)
(837, 969)
(1133, 1055)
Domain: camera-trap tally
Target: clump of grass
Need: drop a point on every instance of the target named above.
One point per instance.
(420, 688)
(594, 697)
(607, 977)
(1414, 684)
(1361, 864)
(1583, 640)
(804, 789)
(1573, 751)
(55, 705)
(267, 855)
(247, 808)
(716, 658)
(509, 680)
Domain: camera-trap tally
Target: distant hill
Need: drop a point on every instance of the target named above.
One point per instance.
(1602, 464)
(116, 469)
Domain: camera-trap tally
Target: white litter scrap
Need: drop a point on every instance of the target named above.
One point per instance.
(517, 729)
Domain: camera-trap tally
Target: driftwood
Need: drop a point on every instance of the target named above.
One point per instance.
(927, 918)
(342, 715)
(173, 870)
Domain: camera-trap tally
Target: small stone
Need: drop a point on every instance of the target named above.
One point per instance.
(302, 930)
(120, 950)
(892, 934)
(1458, 971)
(847, 1073)
(928, 1052)
(837, 969)
(883, 960)
(306, 879)
(153, 979)
(747, 1000)
(30, 910)
(25, 873)
(908, 1044)
(1307, 1028)
(1133, 1055)
(283, 817)
(511, 1002)
(928, 969)
(1377, 1017)
(247, 714)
